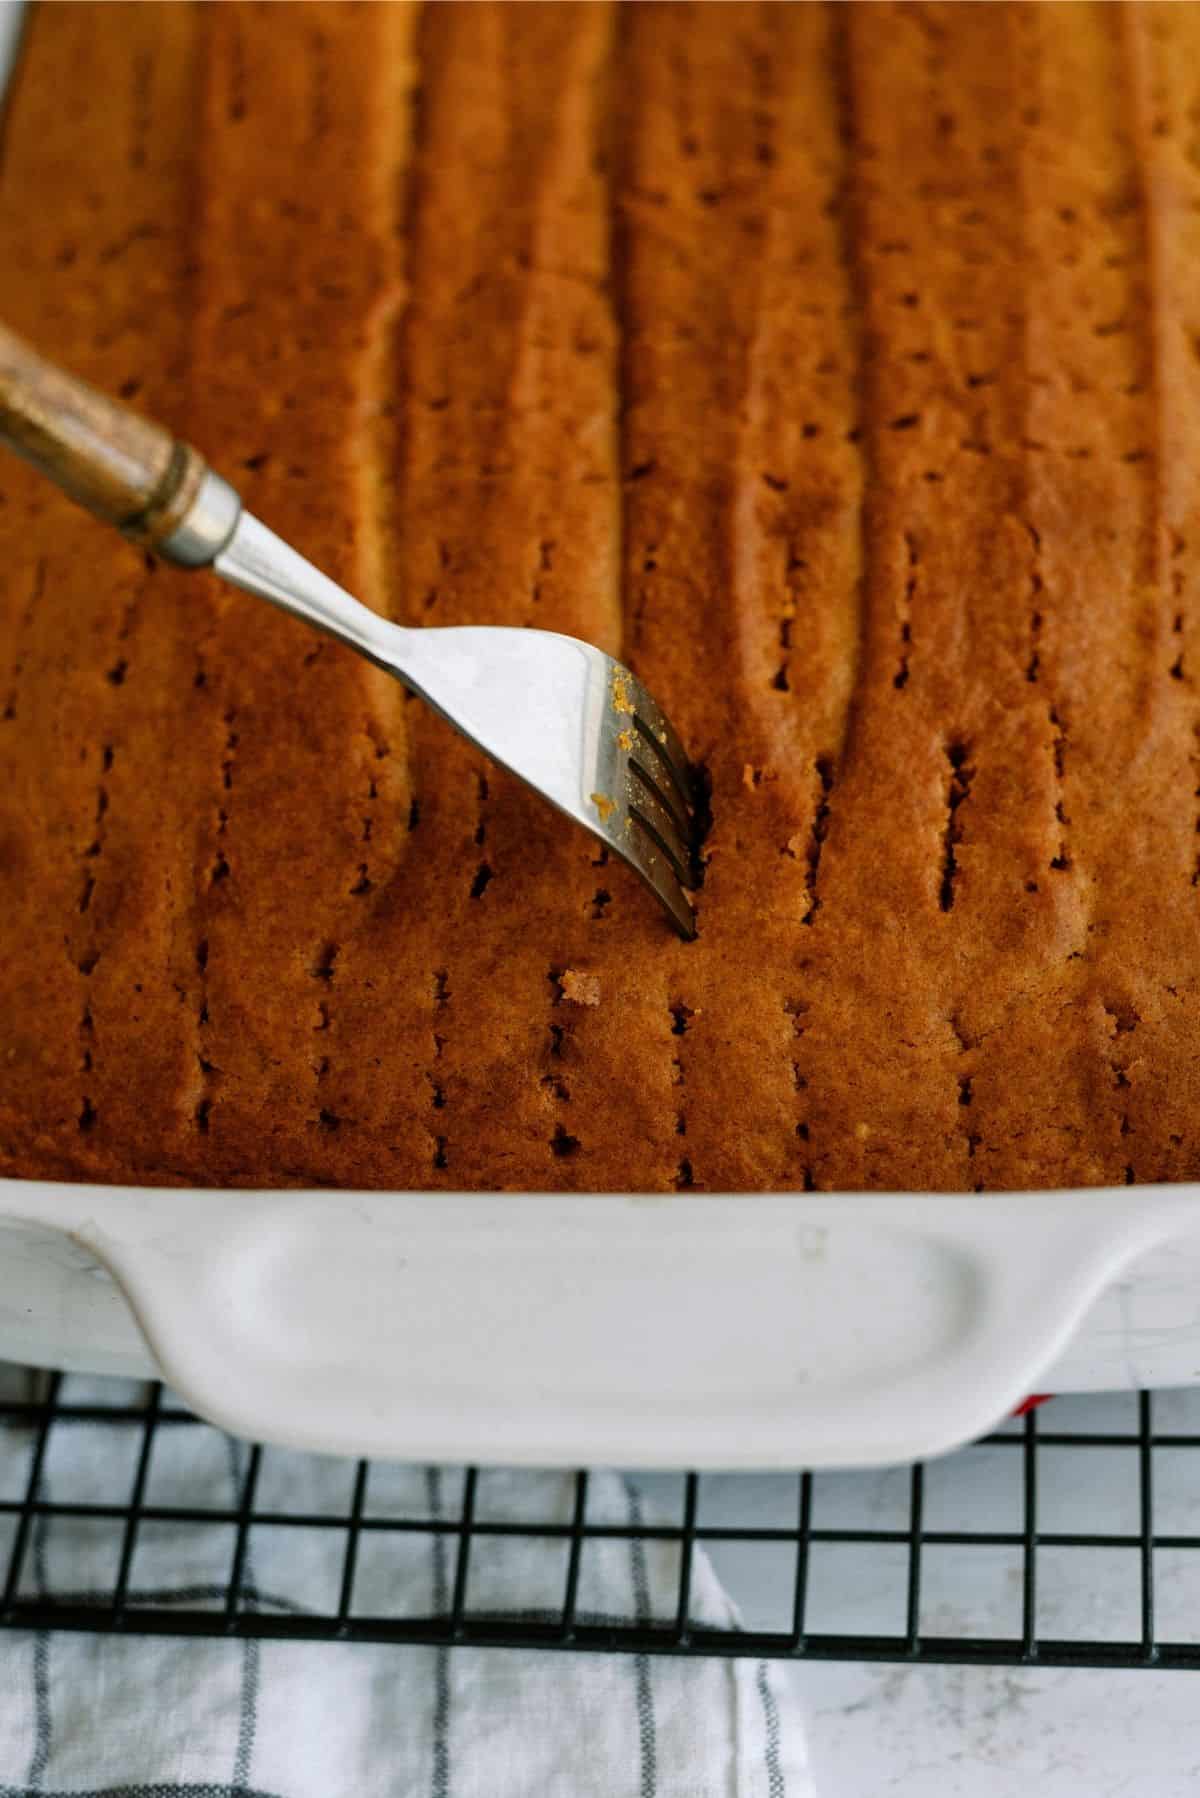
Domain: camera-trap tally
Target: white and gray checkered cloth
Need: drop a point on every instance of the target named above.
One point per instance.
(161, 1717)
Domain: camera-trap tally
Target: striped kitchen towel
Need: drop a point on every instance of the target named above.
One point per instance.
(94, 1716)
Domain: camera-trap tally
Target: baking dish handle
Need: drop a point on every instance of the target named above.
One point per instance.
(749, 1331)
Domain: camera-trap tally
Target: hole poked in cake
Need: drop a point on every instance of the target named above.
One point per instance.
(820, 830)
(959, 790)
(900, 678)
(1062, 861)
(681, 1018)
(324, 967)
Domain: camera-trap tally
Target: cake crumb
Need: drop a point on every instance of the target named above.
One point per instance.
(626, 740)
(753, 777)
(580, 989)
(620, 691)
(604, 805)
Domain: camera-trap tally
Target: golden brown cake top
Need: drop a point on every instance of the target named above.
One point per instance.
(837, 366)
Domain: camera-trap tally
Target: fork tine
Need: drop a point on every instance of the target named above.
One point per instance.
(655, 820)
(653, 724)
(666, 769)
(651, 772)
(649, 810)
(640, 849)
(672, 896)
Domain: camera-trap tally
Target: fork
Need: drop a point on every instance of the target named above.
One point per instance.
(572, 722)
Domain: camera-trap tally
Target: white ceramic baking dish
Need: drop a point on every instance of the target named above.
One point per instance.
(708, 1332)
(722, 1331)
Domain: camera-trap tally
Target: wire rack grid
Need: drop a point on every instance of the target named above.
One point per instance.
(849, 1567)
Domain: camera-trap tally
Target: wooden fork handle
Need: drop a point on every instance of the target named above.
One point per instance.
(131, 473)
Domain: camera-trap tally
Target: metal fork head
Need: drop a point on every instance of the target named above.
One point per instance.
(568, 719)
(580, 729)
(647, 803)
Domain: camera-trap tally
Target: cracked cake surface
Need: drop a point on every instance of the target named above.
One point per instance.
(837, 366)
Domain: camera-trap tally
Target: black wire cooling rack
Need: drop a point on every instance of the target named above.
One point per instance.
(1051, 1542)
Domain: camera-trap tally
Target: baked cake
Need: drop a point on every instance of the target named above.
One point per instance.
(840, 367)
